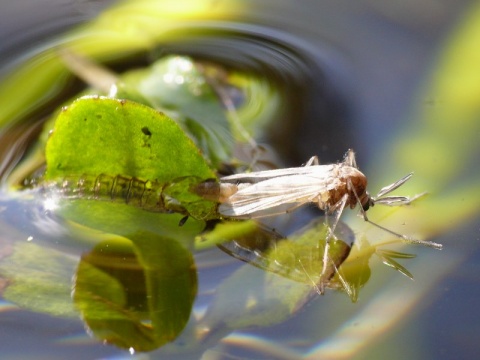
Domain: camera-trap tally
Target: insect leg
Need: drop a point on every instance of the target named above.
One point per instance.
(397, 200)
(350, 159)
(338, 210)
(409, 239)
(346, 286)
(320, 287)
(405, 238)
(313, 161)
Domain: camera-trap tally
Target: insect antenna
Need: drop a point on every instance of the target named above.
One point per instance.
(389, 188)
(394, 201)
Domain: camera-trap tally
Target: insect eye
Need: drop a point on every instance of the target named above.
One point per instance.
(368, 203)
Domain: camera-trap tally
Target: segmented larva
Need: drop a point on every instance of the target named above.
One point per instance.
(146, 194)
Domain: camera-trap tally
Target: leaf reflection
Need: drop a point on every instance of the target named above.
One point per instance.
(127, 301)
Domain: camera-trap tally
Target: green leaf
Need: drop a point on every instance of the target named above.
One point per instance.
(230, 230)
(198, 96)
(97, 135)
(175, 85)
(101, 136)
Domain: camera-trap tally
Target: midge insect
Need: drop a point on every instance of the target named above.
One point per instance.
(331, 187)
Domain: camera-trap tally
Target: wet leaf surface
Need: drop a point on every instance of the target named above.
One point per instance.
(102, 136)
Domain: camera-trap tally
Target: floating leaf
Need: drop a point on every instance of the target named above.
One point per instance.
(96, 135)
(175, 85)
(227, 230)
(101, 136)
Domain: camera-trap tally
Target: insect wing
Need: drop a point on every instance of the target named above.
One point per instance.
(247, 208)
(289, 191)
(258, 176)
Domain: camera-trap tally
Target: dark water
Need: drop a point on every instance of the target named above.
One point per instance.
(351, 72)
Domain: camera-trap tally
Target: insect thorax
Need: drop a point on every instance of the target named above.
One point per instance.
(214, 191)
(354, 183)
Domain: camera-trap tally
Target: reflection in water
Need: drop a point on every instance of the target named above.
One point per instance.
(313, 59)
(138, 293)
(300, 256)
(128, 302)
